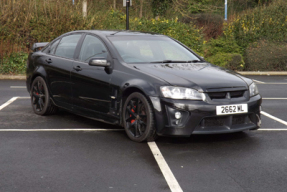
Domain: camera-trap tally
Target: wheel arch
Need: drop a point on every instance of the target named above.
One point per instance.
(131, 90)
(39, 71)
(128, 91)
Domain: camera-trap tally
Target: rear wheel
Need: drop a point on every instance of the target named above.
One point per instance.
(138, 118)
(40, 98)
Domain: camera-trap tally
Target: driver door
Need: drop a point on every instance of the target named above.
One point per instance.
(91, 89)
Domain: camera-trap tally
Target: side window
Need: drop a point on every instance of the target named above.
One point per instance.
(52, 47)
(67, 46)
(92, 47)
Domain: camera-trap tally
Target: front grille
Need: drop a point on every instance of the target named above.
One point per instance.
(213, 121)
(225, 121)
(217, 95)
(235, 94)
(224, 95)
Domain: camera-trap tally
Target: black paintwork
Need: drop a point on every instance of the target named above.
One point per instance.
(97, 92)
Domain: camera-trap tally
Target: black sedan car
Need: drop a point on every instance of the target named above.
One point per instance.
(148, 83)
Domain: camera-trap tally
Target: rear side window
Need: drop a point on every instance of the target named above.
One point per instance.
(92, 47)
(67, 46)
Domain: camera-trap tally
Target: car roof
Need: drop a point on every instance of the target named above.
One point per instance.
(118, 32)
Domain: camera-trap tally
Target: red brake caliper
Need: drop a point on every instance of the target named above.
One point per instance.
(131, 115)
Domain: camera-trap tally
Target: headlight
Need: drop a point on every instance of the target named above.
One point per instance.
(253, 90)
(181, 93)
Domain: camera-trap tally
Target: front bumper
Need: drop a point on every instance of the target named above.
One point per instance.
(199, 117)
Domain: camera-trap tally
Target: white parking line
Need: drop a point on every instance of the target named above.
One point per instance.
(24, 97)
(275, 98)
(8, 103)
(274, 118)
(263, 129)
(168, 175)
(78, 129)
(272, 83)
(18, 87)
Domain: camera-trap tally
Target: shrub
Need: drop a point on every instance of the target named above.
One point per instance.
(28, 21)
(14, 64)
(211, 24)
(266, 56)
(225, 53)
(221, 45)
(185, 33)
(159, 7)
(233, 61)
(268, 22)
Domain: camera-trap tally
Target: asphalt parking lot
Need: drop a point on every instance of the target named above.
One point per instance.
(65, 152)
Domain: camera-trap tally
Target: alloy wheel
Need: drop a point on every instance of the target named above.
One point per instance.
(136, 117)
(38, 96)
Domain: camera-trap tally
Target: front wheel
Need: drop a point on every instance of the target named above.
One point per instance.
(40, 98)
(138, 118)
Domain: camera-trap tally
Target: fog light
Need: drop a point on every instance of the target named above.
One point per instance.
(177, 115)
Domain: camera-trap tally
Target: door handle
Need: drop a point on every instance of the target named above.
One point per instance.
(49, 60)
(77, 68)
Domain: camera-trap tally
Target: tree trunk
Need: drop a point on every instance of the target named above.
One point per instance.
(115, 3)
(141, 8)
(85, 5)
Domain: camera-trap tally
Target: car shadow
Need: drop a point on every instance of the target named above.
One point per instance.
(71, 120)
(210, 138)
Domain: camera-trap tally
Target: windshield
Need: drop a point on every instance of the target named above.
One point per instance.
(151, 49)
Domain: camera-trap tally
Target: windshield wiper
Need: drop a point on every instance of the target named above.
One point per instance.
(193, 61)
(175, 61)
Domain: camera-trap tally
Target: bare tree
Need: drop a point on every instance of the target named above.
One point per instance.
(141, 8)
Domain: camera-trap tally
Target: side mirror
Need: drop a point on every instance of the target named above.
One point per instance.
(101, 62)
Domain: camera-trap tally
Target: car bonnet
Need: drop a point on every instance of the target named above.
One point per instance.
(200, 76)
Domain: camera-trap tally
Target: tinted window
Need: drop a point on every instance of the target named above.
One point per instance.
(52, 47)
(92, 47)
(67, 46)
(46, 48)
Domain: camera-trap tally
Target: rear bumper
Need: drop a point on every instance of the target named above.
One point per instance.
(199, 117)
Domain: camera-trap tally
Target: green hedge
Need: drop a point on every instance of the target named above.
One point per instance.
(266, 56)
(261, 23)
(265, 22)
(233, 61)
(14, 64)
(224, 52)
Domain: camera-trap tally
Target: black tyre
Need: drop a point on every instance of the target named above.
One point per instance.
(40, 98)
(138, 118)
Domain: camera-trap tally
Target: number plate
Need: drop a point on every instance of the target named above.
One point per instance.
(231, 109)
